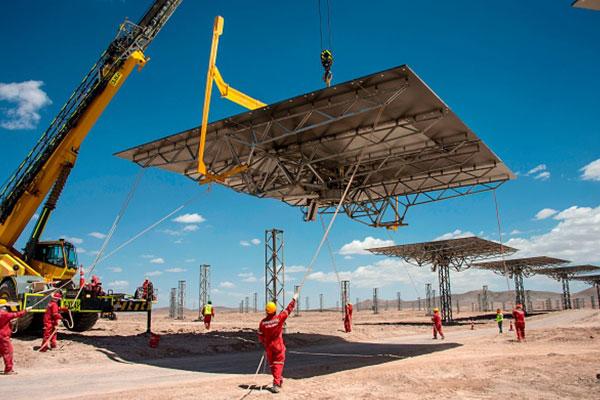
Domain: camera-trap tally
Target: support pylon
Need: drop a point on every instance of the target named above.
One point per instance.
(428, 299)
(204, 288)
(274, 268)
(345, 294)
(375, 301)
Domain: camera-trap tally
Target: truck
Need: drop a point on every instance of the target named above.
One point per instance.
(27, 276)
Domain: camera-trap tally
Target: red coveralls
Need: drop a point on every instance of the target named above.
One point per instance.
(6, 348)
(519, 317)
(348, 318)
(207, 316)
(51, 320)
(270, 333)
(437, 325)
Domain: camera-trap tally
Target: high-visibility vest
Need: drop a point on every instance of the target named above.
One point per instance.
(208, 309)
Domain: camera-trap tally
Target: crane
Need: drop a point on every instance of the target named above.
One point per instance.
(45, 170)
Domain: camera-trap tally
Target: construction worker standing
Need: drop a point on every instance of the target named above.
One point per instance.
(6, 348)
(51, 319)
(437, 324)
(270, 331)
(348, 318)
(519, 317)
(208, 312)
(499, 319)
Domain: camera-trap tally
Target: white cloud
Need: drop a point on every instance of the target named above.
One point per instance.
(74, 240)
(80, 250)
(157, 260)
(248, 243)
(515, 232)
(97, 235)
(383, 273)
(154, 273)
(116, 269)
(545, 213)
(591, 172)
(456, 234)
(28, 99)
(226, 285)
(360, 247)
(118, 284)
(542, 176)
(348, 257)
(295, 268)
(576, 237)
(189, 260)
(171, 232)
(190, 228)
(147, 256)
(537, 169)
(245, 274)
(175, 270)
(250, 279)
(190, 219)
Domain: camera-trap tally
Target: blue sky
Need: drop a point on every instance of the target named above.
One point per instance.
(522, 75)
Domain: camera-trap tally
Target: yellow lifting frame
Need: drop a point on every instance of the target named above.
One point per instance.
(213, 75)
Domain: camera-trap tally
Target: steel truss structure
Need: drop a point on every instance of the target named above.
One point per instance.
(173, 303)
(180, 300)
(428, 299)
(408, 147)
(204, 288)
(274, 268)
(518, 268)
(592, 280)
(564, 274)
(345, 295)
(443, 255)
(375, 301)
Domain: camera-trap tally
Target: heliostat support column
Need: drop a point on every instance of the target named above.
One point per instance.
(274, 268)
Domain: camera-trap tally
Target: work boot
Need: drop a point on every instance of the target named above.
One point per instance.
(276, 389)
(11, 373)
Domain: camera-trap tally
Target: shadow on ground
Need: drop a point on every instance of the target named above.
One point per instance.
(238, 352)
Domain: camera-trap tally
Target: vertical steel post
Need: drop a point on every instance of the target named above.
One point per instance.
(247, 305)
(566, 293)
(428, 299)
(180, 299)
(204, 288)
(375, 301)
(321, 302)
(173, 303)
(274, 268)
(445, 292)
(399, 301)
(297, 310)
(519, 290)
(484, 298)
(255, 302)
(345, 295)
(357, 304)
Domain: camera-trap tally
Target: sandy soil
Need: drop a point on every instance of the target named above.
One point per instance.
(383, 358)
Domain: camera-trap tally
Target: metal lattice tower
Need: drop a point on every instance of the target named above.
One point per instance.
(484, 298)
(399, 301)
(173, 303)
(204, 288)
(566, 294)
(307, 306)
(180, 299)
(375, 301)
(345, 294)
(297, 290)
(255, 302)
(241, 306)
(321, 302)
(433, 301)
(428, 298)
(274, 268)
(445, 292)
(419, 303)
(520, 290)
(357, 304)
(247, 305)
(479, 305)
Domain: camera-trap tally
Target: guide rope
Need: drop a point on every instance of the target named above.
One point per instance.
(498, 220)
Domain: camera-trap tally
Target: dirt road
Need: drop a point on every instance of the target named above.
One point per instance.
(468, 364)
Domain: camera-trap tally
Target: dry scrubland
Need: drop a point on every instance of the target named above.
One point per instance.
(381, 359)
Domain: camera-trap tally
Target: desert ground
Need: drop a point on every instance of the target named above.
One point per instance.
(390, 355)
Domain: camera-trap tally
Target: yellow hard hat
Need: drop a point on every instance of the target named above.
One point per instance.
(3, 302)
(436, 310)
(270, 308)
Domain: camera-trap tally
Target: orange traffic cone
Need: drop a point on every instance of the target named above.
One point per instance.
(510, 328)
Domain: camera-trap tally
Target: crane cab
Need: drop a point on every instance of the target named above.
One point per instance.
(56, 260)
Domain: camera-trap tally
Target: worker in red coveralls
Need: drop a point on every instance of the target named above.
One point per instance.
(208, 312)
(270, 333)
(51, 319)
(145, 287)
(348, 318)
(437, 323)
(6, 348)
(519, 317)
